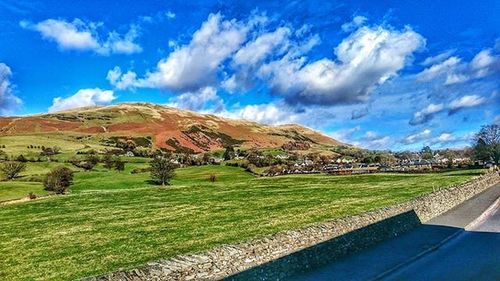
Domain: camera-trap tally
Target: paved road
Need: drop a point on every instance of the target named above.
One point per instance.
(471, 254)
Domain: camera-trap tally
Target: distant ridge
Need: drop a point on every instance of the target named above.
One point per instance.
(169, 128)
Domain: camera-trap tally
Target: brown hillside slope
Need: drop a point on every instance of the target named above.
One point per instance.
(169, 127)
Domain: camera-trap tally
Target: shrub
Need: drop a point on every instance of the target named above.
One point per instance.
(212, 178)
(21, 158)
(12, 169)
(162, 170)
(108, 161)
(119, 165)
(141, 170)
(58, 180)
(31, 196)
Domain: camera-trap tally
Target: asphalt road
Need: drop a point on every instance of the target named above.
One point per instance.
(442, 249)
(472, 255)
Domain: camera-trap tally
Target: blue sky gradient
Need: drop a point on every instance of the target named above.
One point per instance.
(391, 75)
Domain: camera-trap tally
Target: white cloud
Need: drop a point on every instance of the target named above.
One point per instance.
(447, 66)
(455, 71)
(372, 140)
(345, 135)
(257, 50)
(485, 63)
(445, 137)
(249, 58)
(466, 101)
(380, 143)
(438, 58)
(121, 80)
(195, 66)
(273, 114)
(84, 97)
(365, 59)
(170, 14)
(413, 138)
(199, 101)
(82, 36)
(356, 22)
(8, 101)
(426, 114)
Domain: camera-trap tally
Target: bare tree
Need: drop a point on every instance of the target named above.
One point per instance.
(487, 144)
(12, 169)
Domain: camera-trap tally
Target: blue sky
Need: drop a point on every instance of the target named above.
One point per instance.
(392, 75)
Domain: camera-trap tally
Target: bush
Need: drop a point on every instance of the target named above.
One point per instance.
(212, 178)
(58, 180)
(12, 169)
(141, 170)
(31, 196)
(119, 165)
(108, 161)
(162, 170)
(21, 158)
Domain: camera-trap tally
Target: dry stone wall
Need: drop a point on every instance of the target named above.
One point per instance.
(339, 237)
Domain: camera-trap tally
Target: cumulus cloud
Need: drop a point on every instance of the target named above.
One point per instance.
(465, 101)
(271, 113)
(243, 52)
(84, 97)
(416, 137)
(426, 114)
(345, 135)
(84, 36)
(195, 66)
(249, 58)
(8, 101)
(365, 59)
(448, 138)
(446, 66)
(373, 140)
(199, 101)
(453, 70)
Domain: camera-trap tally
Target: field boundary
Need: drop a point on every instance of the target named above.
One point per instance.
(224, 261)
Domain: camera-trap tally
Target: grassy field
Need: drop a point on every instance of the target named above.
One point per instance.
(113, 220)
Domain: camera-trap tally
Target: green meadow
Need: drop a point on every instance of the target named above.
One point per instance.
(112, 220)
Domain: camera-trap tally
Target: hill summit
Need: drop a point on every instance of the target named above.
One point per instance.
(169, 128)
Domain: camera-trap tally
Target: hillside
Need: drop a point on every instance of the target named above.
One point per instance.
(162, 127)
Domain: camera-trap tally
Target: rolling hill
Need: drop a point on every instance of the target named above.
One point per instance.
(162, 127)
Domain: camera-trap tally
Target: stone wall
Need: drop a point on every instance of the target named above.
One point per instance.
(339, 236)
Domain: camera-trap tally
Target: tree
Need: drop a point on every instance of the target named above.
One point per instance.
(119, 164)
(58, 180)
(162, 170)
(426, 153)
(12, 169)
(228, 153)
(21, 158)
(487, 144)
(108, 161)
